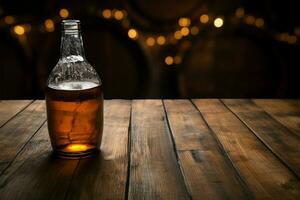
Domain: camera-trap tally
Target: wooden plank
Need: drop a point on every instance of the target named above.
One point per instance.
(286, 112)
(10, 108)
(35, 174)
(280, 140)
(209, 175)
(265, 175)
(15, 133)
(104, 177)
(154, 171)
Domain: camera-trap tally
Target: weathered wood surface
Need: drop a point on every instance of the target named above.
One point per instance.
(278, 138)
(15, 133)
(154, 172)
(9, 109)
(209, 174)
(35, 173)
(265, 175)
(286, 112)
(154, 149)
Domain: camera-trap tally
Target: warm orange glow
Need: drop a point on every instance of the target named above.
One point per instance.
(19, 30)
(284, 36)
(184, 21)
(49, 25)
(240, 12)
(161, 40)
(194, 30)
(177, 35)
(169, 60)
(218, 22)
(64, 13)
(76, 147)
(250, 19)
(259, 22)
(177, 59)
(132, 33)
(150, 41)
(107, 13)
(185, 31)
(204, 19)
(292, 39)
(9, 20)
(118, 15)
(297, 31)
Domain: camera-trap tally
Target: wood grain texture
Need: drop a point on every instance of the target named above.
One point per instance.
(10, 108)
(284, 143)
(208, 174)
(264, 174)
(35, 174)
(154, 172)
(234, 151)
(104, 177)
(286, 112)
(15, 133)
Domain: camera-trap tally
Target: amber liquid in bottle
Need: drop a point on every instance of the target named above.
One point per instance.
(74, 99)
(75, 118)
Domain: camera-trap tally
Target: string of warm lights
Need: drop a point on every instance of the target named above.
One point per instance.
(186, 27)
(48, 25)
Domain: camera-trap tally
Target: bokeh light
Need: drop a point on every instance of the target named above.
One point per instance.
(259, 22)
(49, 25)
(161, 40)
(19, 30)
(150, 41)
(177, 35)
(132, 33)
(169, 60)
(204, 18)
(184, 21)
(218, 22)
(185, 31)
(106, 13)
(64, 13)
(118, 15)
(9, 20)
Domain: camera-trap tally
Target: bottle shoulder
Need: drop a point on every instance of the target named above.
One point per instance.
(73, 68)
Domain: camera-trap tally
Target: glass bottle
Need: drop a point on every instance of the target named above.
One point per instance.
(74, 99)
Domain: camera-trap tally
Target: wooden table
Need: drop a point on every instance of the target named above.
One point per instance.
(153, 149)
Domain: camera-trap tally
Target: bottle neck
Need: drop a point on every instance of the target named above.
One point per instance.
(71, 44)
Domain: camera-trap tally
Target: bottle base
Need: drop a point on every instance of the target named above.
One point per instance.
(76, 151)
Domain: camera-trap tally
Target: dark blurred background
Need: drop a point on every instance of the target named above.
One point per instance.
(158, 48)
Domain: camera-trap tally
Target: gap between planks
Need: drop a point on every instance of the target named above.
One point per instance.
(265, 175)
(16, 110)
(18, 131)
(176, 152)
(282, 147)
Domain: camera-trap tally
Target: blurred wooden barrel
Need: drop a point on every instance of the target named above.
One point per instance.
(118, 60)
(230, 65)
(15, 70)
